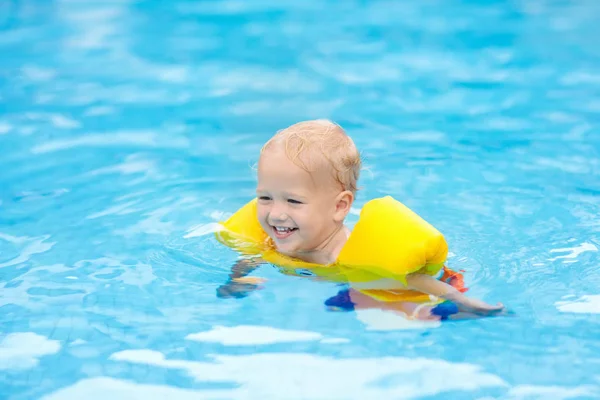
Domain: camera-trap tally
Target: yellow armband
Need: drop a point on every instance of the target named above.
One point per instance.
(392, 241)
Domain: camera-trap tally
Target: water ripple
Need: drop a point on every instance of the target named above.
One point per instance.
(128, 129)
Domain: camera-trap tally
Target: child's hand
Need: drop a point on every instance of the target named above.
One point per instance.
(428, 284)
(240, 287)
(478, 307)
(250, 280)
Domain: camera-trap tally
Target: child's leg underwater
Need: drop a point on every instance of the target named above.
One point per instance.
(349, 299)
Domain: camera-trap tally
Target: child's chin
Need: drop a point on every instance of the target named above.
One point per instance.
(286, 249)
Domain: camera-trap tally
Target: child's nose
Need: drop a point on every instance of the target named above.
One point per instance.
(278, 213)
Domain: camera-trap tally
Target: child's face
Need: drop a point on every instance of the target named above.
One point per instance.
(300, 211)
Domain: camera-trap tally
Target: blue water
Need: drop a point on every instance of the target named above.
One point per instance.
(128, 128)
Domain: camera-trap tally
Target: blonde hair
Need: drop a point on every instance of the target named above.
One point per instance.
(309, 143)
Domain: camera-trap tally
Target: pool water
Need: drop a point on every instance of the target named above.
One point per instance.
(129, 128)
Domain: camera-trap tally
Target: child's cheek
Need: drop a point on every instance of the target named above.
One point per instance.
(262, 218)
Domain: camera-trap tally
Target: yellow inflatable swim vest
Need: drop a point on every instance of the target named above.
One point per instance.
(388, 241)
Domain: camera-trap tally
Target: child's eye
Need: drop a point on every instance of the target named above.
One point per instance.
(264, 198)
(294, 201)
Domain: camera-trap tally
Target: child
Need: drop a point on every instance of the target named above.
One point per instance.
(307, 181)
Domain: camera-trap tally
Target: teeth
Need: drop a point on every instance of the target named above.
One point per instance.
(282, 229)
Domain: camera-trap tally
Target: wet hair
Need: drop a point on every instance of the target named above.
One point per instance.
(317, 144)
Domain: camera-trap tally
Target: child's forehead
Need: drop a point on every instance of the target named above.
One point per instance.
(277, 173)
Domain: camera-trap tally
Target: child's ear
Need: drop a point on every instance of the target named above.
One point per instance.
(343, 202)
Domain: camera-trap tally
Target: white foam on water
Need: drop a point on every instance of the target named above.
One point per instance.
(102, 388)
(310, 376)
(22, 350)
(551, 392)
(248, 335)
(587, 304)
(573, 252)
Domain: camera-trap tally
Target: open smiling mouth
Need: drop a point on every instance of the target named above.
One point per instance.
(282, 232)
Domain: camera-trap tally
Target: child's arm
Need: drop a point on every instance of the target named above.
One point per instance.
(430, 285)
(239, 284)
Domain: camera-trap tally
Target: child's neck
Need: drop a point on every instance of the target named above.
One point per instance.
(328, 252)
